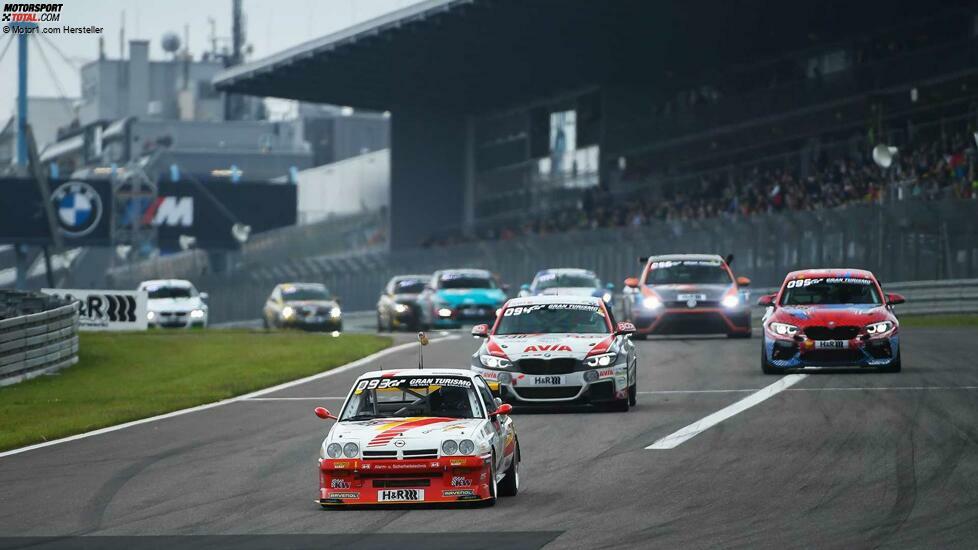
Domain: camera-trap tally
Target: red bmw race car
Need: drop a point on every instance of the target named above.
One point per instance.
(419, 436)
(830, 318)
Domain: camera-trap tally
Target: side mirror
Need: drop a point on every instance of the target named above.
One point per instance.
(743, 282)
(624, 327)
(631, 282)
(729, 259)
(525, 287)
(503, 409)
(204, 296)
(894, 299)
(480, 331)
(766, 300)
(643, 259)
(323, 413)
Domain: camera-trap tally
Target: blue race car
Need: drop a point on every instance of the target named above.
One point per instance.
(569, 282)
(455, 296)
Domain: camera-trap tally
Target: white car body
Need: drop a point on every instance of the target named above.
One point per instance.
(184, 312)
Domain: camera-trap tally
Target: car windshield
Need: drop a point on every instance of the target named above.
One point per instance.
(551, 280)
(553, 318)
(407, 396)
(687, 272)
(300, 294)
(465, 281)
(409, 286)
(162, 292)
(830, 291)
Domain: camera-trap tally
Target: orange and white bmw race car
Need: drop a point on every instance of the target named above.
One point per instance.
(419, 436)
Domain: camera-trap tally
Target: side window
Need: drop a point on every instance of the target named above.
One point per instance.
(611, 317)
(486, 394)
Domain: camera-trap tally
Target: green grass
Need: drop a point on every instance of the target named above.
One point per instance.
(121, 377)
(938, 321)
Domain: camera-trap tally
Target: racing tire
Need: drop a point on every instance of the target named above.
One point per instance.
(895, 366)
(766, 367)
(633, 395)
(493, 487)
(264, 323)
(511, 481)
(380, 326)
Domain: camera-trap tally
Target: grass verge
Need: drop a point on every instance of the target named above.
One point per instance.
(938, 321)
(121, 377)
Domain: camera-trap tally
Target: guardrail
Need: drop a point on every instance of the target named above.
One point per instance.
(951, 296)
(33, 344)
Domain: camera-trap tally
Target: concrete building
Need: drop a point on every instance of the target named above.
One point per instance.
(46, 115)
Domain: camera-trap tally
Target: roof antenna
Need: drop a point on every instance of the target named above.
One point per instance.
(423, 339)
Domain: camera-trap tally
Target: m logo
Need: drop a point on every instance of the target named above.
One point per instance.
(172, 211)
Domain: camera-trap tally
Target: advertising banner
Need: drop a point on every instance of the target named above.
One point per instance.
(106, 310)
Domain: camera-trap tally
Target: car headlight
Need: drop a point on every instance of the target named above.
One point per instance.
(783, 329)
(731, 301)
(444, 312)
(606, 297)
(879, 328)
(150, 315)
(602, 360)
(334, 450)
(449, 447)
(651, 302)
(335, 313)
(494, 362)
(466, 447)
(400, 308)
(288, 312)
(351, 450)
(197, 314)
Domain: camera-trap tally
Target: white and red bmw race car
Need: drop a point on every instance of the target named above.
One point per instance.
(419, 436)
(558, 349)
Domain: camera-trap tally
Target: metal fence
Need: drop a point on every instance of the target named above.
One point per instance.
(905, 241)
(38, 335)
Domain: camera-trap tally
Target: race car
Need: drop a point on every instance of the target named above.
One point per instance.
(174, 303)
(830, 318)
(419, 436)
(571, 282)
(460, 295)
(397, 306)
(559, 350)
(302, 305)
(688, 294)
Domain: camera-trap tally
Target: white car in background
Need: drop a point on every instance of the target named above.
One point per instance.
(174, 303)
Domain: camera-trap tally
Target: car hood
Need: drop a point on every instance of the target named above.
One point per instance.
(474, 296)
(841, 315)
(572, 291)
(312, 303)
(548, 346)
(405, 298)
(174, 304)
(417, 432)
(711, 293)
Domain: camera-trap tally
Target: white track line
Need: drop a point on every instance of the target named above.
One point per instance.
(679, 437)
(294, 399)
(337, 370)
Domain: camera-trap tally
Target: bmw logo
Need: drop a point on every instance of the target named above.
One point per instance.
(691, 302)
(79, 208)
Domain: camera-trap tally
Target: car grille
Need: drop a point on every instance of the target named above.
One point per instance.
(682, 304)
(833, 356)
(379, 455)
(547, 366)
(556, 392)
(420, 453)
(406, 455)
(832, 333)
(691, 323)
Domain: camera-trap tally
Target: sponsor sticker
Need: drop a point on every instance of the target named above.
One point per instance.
(801, 283)
(458, 493)
(343, 495)
(336, 483)
(548, 380)
(546, 347)
(461, 481)
(400, 495)
(831, 344)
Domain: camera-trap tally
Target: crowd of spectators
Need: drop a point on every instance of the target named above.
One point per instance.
(928, 171)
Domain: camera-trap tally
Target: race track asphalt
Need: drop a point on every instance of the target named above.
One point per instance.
(838, 460)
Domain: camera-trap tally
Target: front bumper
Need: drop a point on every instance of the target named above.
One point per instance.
(315, 323)
(520, 388)
(422, 481)
(176, 319)
(795, 354)
(706, 320)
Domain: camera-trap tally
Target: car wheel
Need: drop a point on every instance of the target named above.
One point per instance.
(264, 323)
(894, 366)
(633, 395)
(765, 366)
(493, 487)
(511, 482)
(380, 325)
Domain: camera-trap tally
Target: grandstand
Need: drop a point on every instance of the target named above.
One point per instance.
(519, 127)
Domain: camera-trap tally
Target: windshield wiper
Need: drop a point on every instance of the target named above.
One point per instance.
(362, 416)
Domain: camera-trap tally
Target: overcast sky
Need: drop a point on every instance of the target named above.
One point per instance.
(272, 25)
